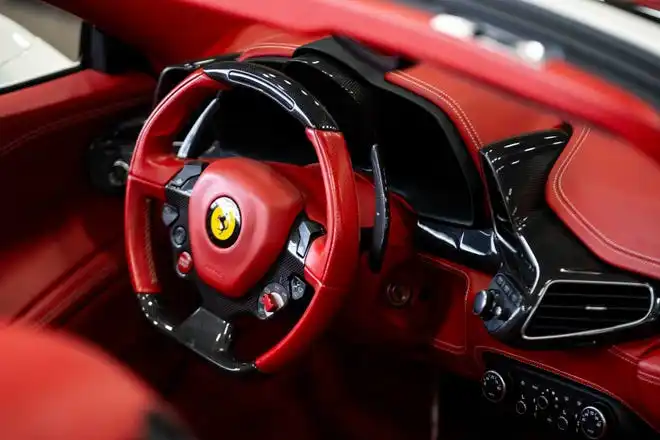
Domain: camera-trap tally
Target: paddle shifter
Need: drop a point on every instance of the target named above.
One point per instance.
(381, 227)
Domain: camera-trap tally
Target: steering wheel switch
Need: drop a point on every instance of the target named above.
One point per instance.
(273, 298)
(184, 263)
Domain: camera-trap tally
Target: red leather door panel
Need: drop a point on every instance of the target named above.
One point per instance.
(57, 233)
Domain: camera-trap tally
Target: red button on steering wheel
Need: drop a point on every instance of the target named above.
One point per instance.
(248, 226)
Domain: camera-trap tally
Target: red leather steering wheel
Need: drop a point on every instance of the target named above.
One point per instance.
(239, 228)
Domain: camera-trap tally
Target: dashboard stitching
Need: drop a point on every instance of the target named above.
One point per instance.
(616, 351)
(575, 213)
(455, 106)
(245, 53)
(648, 377)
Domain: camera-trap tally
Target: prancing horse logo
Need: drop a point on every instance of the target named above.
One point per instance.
(223, 222)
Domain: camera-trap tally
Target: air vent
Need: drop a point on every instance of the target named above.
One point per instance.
(574, 308)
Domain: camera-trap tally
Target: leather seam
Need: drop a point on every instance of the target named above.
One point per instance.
(623, 355)
(648, 377)
(245, 53)
(451, 102)
(578, 216)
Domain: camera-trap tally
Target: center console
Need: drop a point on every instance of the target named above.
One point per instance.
(555, 404)
(551, 291)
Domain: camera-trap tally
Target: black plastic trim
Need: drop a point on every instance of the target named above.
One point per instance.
(622, 422)
(474, 248)
(105, 53)
(162, 426)
(330, 47)
(186, 333)
(172, 75)
(290, 95)
(381, 227)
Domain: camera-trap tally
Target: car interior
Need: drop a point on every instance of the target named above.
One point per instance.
(283, 235)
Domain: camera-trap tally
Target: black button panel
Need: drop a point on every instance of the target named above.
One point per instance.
(505, 302)
(570, 409)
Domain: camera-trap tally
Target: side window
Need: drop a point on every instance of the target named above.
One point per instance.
(37, 40)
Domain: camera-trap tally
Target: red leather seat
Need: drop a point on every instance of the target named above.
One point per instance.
(53, 386)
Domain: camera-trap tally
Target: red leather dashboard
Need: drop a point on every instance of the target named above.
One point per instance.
(594, 194)
(590, 191)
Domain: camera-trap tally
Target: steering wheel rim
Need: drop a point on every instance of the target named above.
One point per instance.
(330, 261)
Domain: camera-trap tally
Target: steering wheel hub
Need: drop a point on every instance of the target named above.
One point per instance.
(233, 248)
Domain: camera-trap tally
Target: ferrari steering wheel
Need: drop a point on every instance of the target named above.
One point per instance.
(239, 229)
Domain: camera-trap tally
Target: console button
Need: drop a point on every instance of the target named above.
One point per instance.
(493, 386)
(483, 304)
(562, 423)
(542, 402)
(270, 302)
(297, 287)
(593, 423)
(184, 263)
(273, 297)
(169, 215)
(179, 236)
(521, 407)
(306, 231)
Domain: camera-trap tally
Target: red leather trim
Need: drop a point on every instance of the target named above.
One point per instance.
(607, 193)
(268, 204)
(397, 28)
(152, 166)
(153, 160)
(280, 44)
(90, 278)
(332, 260)
(55, 122)
(482, 115)
(52, 266)
(48, 377)
(59, 263)
(65, 102)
